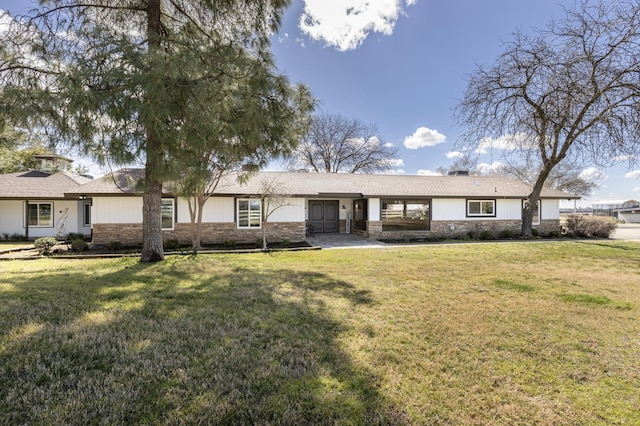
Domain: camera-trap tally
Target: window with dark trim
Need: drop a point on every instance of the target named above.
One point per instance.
(249, 213)
(536, 212)
(86, 214)
(481, 208)
(405, 215)
(40, 215)
(360, 214)
(166, 211)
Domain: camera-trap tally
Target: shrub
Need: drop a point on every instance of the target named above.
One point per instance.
(16, 237)
(172, 244)
(230, 243)
(535, 233)
(590, 226)
(44, 244)
(469, 236)
(72, 236)
(555, 234)
(506, 233)
(286, 242)
(79, 244)
(115, 245)
(487, 235)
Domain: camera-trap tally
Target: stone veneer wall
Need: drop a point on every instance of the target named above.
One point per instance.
(442, 229)
(212, 233)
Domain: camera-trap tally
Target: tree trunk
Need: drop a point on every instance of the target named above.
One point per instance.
(152, 250)
(532, 201)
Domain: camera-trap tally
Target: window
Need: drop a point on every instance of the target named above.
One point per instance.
(166, 210)
(40, 214)
(405, 215)
(249, 213)
(481, 208)
(360, 214)
(536, 212)
(86, 214)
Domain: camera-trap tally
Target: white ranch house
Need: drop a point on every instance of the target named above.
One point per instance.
(373, 206)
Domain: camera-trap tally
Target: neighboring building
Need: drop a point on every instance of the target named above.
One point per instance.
(52, 163)
(611, 207)
(629, 214)
(373, 206)
(33, 204)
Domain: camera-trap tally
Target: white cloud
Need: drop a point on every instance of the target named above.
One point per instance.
(422, 172)
(637, 189)
(592, 174)
(345, 24)
(454, 154)
(396, 162)
(389, 145)
(395, 172)
(635, 174)
(424, 137)
(506, 142)
(487, 169)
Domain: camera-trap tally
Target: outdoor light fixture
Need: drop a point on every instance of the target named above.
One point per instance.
(82, 197)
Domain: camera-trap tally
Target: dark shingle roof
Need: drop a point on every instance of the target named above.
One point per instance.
(38, 184)
(342, 184)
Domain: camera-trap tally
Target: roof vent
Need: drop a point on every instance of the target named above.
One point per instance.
(459, 173)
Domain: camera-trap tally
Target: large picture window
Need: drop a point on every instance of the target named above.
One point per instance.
(249, 213)
(40, 214)
(481, 208)
(166, 210)
(405, 215)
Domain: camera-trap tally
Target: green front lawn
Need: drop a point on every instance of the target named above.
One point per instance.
(509, 333)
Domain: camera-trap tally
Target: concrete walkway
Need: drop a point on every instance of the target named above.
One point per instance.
(337, 241)
(627, 231)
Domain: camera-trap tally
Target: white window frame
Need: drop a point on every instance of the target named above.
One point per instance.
(165, 202)
(38, 204)
(481, 214)
(249, 211)
(537, 218)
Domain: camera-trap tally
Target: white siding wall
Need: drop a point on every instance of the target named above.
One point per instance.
(374, 209)
(117, 210)
(66, 218)
(550, 209)
(216, 209)
(12, 217)
(294, 211)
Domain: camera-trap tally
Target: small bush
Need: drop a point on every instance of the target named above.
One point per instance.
(285, 242)
(469, 236)
(230, 243)
(487, 235)
(44, 244)
(590, 226)
(115, 245)
(506, 233)
(172, 244)
(555, 234)
(72, 236)
(79, 244)
(258, 242)
(535, 233)
(16, 237)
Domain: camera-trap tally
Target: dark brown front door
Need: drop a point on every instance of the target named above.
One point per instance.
(324, 216)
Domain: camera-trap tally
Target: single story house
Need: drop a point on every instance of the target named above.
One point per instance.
(33, 204)
(629, 214)
(373, 206)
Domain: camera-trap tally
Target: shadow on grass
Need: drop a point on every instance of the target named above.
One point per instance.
(184, 341)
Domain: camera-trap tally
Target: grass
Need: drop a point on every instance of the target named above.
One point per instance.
(518, 333)
(10, 245)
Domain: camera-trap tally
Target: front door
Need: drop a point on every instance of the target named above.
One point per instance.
(324, 216)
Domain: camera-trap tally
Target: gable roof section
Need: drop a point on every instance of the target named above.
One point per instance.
(124, 182)
(37, 184)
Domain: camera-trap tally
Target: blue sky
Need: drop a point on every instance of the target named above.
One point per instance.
(403, 65)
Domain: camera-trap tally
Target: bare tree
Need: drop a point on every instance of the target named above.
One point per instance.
(336, 144)
(570, 92)
(273, 196)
